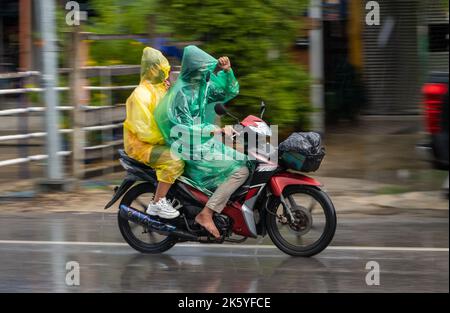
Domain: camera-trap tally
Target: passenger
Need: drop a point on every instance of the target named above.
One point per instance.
(142, 139)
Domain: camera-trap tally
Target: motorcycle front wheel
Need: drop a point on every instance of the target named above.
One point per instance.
(142, 239)
(308, 227)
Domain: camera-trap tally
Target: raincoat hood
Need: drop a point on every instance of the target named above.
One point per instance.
(154, 66)
(141, 132)
(196, 64)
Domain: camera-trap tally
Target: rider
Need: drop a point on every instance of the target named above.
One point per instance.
(142, 139)
(188, 108)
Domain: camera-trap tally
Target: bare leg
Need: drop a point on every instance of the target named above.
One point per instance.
(161, 191)
(204, 218)
(219, 199)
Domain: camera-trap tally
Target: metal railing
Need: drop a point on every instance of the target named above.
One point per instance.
(85, 119)
(24, 110)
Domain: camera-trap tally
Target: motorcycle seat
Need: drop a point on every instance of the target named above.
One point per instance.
(237, 194)
(124, 156)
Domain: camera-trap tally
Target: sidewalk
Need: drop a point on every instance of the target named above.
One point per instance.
(348, 195)
(365, 196)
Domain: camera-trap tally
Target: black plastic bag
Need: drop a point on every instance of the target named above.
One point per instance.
(302, 151)
(305, 143)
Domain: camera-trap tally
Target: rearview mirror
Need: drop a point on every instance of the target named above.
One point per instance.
(263, 108)
(220, 109)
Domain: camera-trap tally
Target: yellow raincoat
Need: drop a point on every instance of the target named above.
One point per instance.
(143, 140)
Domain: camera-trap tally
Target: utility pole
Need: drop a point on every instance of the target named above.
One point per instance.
(78, 98)
(25, 35)
(316, 65)
(24, 65)
(46, 9)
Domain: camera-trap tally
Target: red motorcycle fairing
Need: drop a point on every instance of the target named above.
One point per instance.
(241, 214)
(234, 211)
(251, 120)
(195, 193)
(280, 181)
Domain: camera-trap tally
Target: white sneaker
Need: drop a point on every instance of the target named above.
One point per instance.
(153, 209)
(164, 209)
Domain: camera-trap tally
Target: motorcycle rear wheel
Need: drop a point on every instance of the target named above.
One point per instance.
(273, 218)
(127, 227)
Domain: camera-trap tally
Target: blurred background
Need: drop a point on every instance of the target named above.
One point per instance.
(370, 76)
(377, 93)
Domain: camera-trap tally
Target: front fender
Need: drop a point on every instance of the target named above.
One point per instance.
(280, 181)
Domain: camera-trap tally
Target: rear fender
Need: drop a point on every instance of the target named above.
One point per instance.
(280, 181)
(126, 184)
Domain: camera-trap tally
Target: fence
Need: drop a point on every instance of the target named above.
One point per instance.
(82, 158)
(95, 118)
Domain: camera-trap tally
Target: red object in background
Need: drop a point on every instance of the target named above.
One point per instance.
(433, 99)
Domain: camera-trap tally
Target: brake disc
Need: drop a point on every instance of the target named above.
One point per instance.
(302, 220)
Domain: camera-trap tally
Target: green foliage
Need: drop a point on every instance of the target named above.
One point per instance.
(256, 35)
(118, 17)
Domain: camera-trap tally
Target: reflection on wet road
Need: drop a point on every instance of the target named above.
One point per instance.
(34, 250)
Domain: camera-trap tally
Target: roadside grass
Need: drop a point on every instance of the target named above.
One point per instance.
(393, 190)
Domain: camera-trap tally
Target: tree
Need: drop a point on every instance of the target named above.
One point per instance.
(119, 17)
(257, 36)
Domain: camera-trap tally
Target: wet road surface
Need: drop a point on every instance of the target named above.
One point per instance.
(410, 248)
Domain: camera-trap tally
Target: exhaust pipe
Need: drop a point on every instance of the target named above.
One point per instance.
(147, 221)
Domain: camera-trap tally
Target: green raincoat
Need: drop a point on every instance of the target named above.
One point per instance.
(186, 118)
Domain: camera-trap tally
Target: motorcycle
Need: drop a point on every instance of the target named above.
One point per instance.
(288, 206)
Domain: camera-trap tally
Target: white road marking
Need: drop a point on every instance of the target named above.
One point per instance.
(414, 249)
(229, 246)
(68, 243)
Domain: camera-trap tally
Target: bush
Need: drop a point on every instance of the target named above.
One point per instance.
(256, 35)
